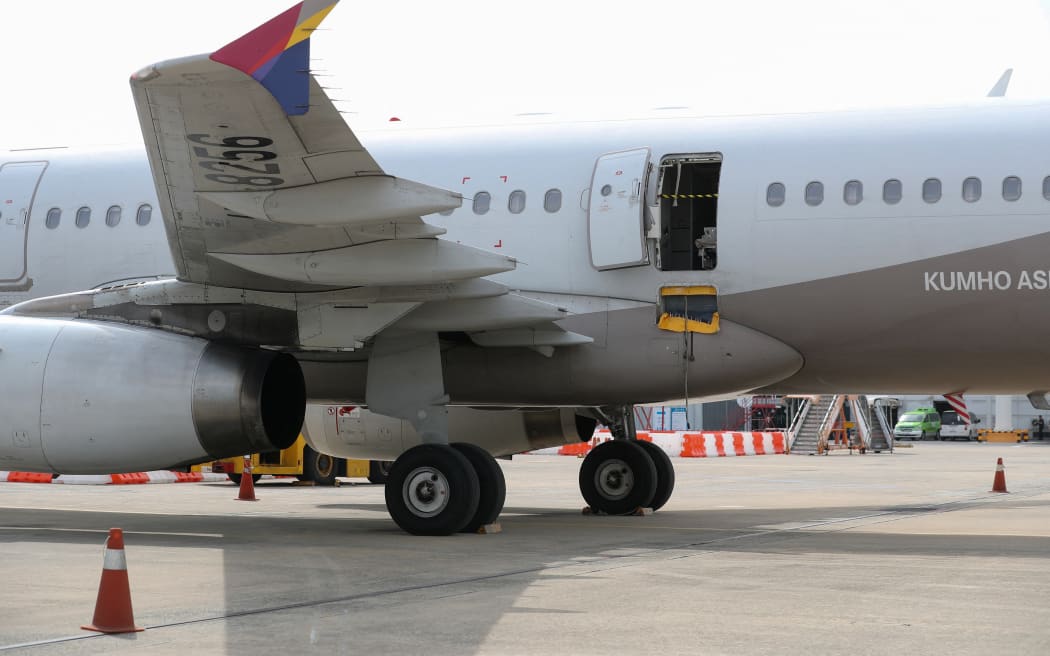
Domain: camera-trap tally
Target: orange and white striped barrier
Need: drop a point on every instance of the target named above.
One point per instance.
(137, 478)
(690, 444)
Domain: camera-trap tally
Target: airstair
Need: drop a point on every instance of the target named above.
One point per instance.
(809, 431)
(820, 426)
(872, 425)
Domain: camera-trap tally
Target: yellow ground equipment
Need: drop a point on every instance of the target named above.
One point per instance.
(301, 461)
(985, 435)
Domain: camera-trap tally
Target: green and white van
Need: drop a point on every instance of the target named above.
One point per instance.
(918, 424)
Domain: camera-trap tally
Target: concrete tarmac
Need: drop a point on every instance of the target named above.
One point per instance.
(902, 553)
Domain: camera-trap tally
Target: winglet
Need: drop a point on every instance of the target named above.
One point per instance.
(277, 54)
(999, 90)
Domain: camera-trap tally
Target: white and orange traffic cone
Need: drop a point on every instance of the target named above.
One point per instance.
(247, 492)
(113, 606)
(999, 483)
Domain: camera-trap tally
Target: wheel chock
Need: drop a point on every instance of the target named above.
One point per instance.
(304, 484)
(637, 512)
(490, 529)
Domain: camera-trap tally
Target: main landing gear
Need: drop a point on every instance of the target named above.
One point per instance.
(621, 476)
(439, 489)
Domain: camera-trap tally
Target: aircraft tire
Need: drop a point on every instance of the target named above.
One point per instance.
(618, 478)
(493, 486)
(320, 468)
(432, 490)
(379, 470)
(236, 478)
(664, 474)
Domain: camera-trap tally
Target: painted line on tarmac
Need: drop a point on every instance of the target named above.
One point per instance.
(106, 531)
(51, 641)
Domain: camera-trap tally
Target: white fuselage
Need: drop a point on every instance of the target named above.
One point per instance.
(760, 247)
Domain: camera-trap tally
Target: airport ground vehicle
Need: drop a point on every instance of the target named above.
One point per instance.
(303, 462)
(919, 423)
(954, 427)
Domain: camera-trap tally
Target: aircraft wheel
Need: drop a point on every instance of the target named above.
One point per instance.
(664, 474)
(432, 490)
(379, 470)
(492, 484)
(318, 467)
(618, 477)
(236, 478)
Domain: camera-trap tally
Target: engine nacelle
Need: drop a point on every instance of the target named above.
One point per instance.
(93, 398)
(352, 432)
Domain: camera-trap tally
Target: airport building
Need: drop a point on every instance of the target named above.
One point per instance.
(760, 412)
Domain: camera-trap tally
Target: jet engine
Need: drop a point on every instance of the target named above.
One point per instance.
(352, 432)
(95, 397)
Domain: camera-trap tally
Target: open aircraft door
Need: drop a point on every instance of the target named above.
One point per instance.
(615, 214)
(18, 181)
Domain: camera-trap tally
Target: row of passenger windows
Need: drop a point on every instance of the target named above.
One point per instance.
(515, 202)
(893, 191)
(113, 215)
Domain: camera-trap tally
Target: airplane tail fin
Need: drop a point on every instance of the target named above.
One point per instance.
(999, 90)
(277, 53)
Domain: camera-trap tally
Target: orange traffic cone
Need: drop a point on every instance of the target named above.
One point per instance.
(247, 492)
(113, 606)
(999, 484)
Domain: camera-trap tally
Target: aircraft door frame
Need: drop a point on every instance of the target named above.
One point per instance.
(18, 186)
(616, 210)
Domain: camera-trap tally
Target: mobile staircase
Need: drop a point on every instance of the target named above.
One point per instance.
(874, 429)
(820, 426)
(809, 431)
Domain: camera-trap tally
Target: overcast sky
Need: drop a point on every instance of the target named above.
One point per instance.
(66, 63)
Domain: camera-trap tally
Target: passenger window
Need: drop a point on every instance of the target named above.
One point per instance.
(516, 201)
(552, 200)
(1046, 187)
(54, 217)
(931, 190)
(83, 217)
(892, 192)
(853, 192)
(775, 194)
(814, 193)
(1011, 188)
(482, 201)
(113, 216)
(143, 215)
(971, 190)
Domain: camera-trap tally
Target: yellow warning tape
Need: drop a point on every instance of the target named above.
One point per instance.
(673, 196)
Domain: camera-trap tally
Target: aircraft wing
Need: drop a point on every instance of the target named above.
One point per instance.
(264, 186)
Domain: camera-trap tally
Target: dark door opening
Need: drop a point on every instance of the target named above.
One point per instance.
(688, 211)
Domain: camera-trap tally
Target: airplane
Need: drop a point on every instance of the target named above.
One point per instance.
(466, 294)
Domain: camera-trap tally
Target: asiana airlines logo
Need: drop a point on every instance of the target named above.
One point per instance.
(984, 281)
